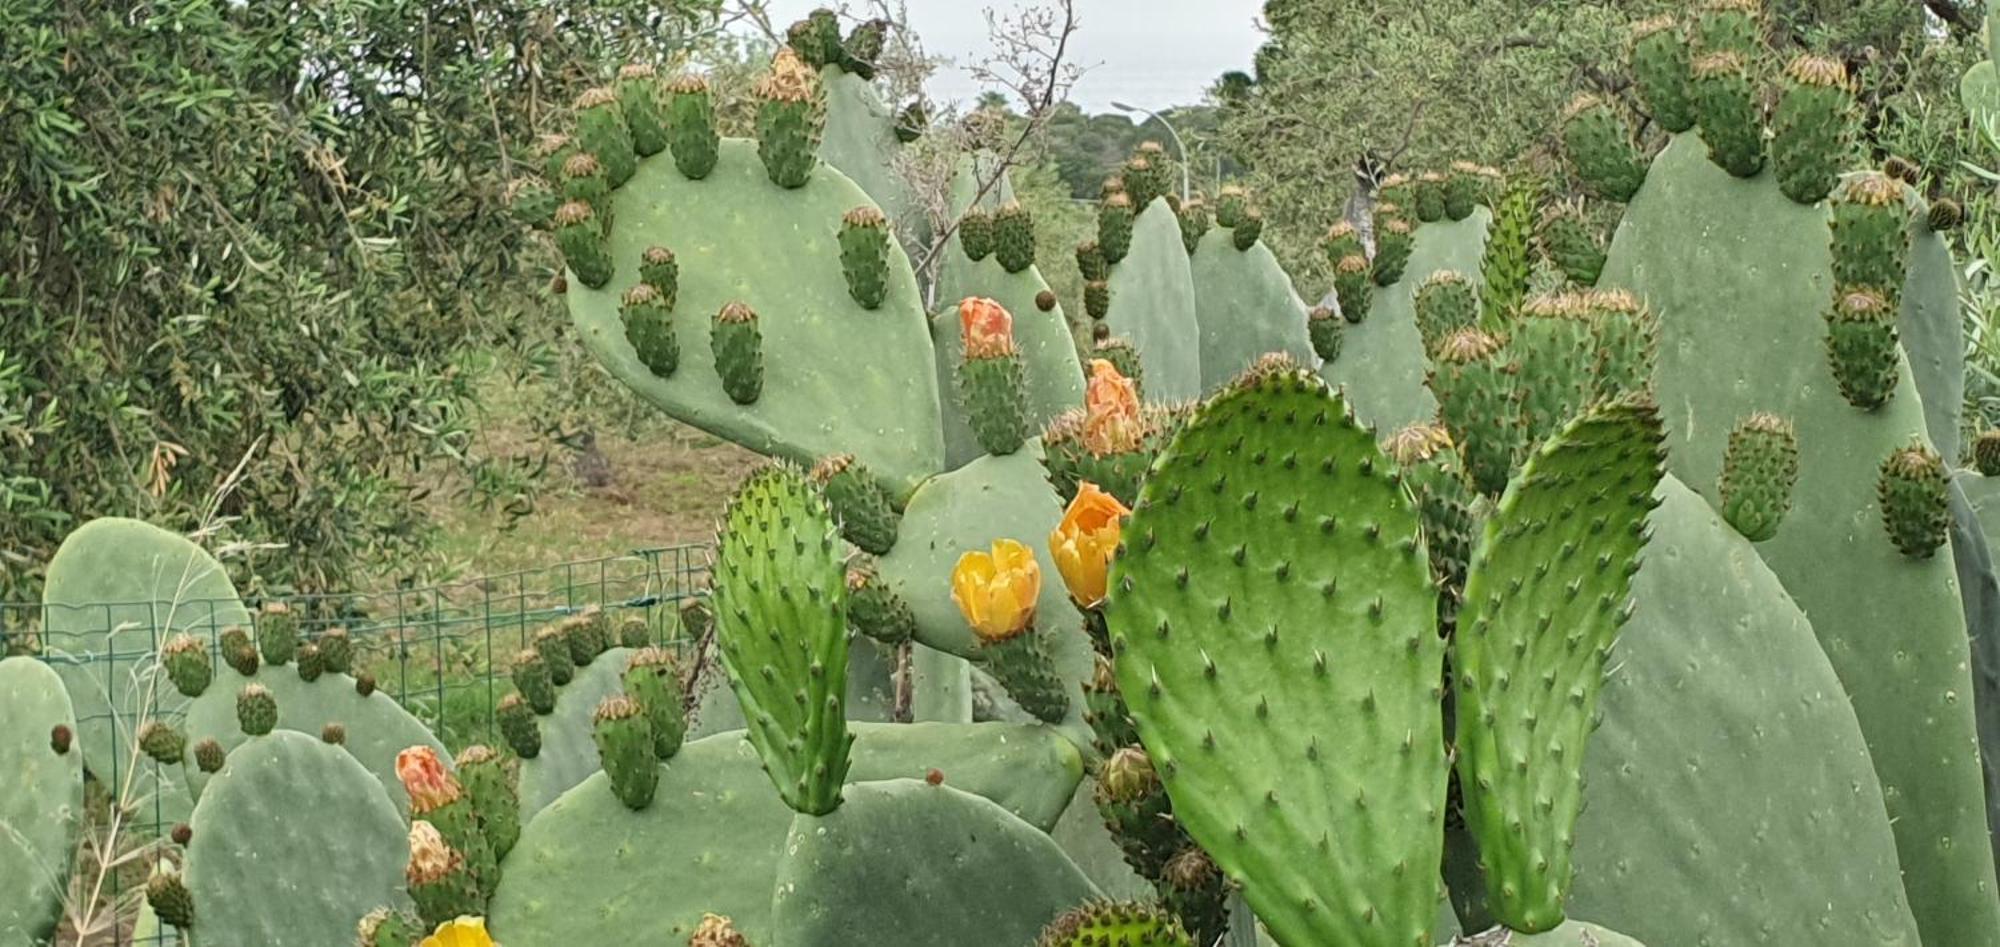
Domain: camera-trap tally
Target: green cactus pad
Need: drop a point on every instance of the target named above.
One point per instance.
(1115, 924)
(964, 870)
(1777, 777)
(715, 833)
(294, 842)
(1506, 267)
(1275, 627)
(1245, 305)
(1153, 305)
(1382, 365)
(860, 142)
(1660, 72)
(1933, 335)
(1893, 627)
(569, 755)
(165, 585)
(1544, 597)
(43, 802)
(1598, 142)
(820, 347)
(1570, 241)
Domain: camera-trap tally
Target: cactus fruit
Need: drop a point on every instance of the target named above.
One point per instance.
(653, 679)
(187, 664)
(1506, 267)
(875, 610)
(1045, 300)
(1108, 442)
(1986, 453)
(437, 797)
(383, 927)
(1914, 492)
(1862, 347)
(1342, 240)
(1474, 384)
(1145, 177)
(1552, 350)
(649, 326)
(791, 115)
(437, 878)
(991, 385)
(60, 737)
(1569, 241)
(1445, 303)
(864, 254)
(1393, 240)
(1353, 286)
(1097, 299)
(1599, 144)
(1871, 245)
(1466, 187)
(1436, 476)
(996, 590)
(738, 345)
(581, 237)
(863, 47)
(638, 89)
(1428, 194)
(1115, 924)
(553, 646)
(1661, 71)
(778, 568)
(531, 679)
(209, 756)
(816, 38)
(1733, 26)
(238, 652)
(1115, 219)
(911, 122)
(589, 633)
(277, 633)
(168, 896)
(624, 737)
(1090, 262)
(633, 632)
(163, 742)
(1013, 237)
(867, 517)
(1232, 201)
(1812, 127)
(310, 664)
(256, 710)
(1627, 342)
(1944, 215)
(1397, 189)
(1729, 107)
(691, 126)
(334, 734)
(336, 651)
(601, 131)
(1195, 221)
(584, 179)
(1326, 328)
(1244, 235)
(518, 727)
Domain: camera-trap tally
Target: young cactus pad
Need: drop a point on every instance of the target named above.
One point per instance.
(1546, 593)
(1153, 305)
(1276, 634)
(43, 802)
(819, 346)
(780, 595)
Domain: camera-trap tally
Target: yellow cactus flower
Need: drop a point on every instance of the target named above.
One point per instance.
(1084, 542)
(424, 777)
(987, 327)
(460, 932)
(996, 591)
(1112, 423)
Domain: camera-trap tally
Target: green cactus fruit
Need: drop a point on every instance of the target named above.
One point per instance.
(237, 650)
(1393, 240)
(1598, 141)
(1194, 889)
(187, 664)
(553, 646)
(1045, 300)
(1759, 469)
(1547, 591)
(1445, 303)
(256, 710)
(1812, 128)
(1090, 262)
(1115, 924)
(1465, 187)
(1342, 240)
(791, 116)
(778, 569)
(1474, 385)
(911, 122)
(1397, 189)
(163, 742)
(1353, 286)
(1915, 494)
(383, 927)
(1245, 619)
(1014, 237)
(991, 389)
(582, 645)
(580, 236)
(1024, 664)
(1245, 234)
(1431, 465)
(1097, 299)
(1986, 453)
(875, 610)
(1871, 245)
(1325, 328)
(638, 89)
(1627, 342)
(1232, 201)
(550, 152)
(209, 756)
(1661, 72)
(634, 632)
(1071, 461)
(336, 651)
(584, 179)
(660, 270)
(691, 125)
(653, 678)
(1570, 242)
(601, 131)
(624, 737)
(1136, 811)
(975, 234)
(518, 727)
(438, 879)
(334, 733)
(531, 679)
(1507, 266)
(1145, 180)
(277, 632)
(1124, 356)
(1110, 721)
(532, 201)
(864, 254)
(816, 38)
(168, 896)
(1115, 218)
(592, 625)
(1729, 108)
(1428, 194)
(1862, 348)
(310, 664)
(867, 516)
(863, 47)
(649, 327)
(1732, 26)
(738, 345)
(1552, 349)
(1195, 221)
(1944, 215)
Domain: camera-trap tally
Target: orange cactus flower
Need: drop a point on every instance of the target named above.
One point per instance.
(1112, 423)
(988, 328)
(1084, 542)
(996, 591)
(424, 777)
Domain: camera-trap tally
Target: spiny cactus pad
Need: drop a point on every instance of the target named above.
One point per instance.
(715, 833)
(965, 871)
(292, 822)
(1277, 643)
(43, 802)
(1544, 597)
(1245, 306)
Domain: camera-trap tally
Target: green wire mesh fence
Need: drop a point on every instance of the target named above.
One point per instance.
(443, 652)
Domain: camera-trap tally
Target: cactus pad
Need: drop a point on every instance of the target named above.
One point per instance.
(1153, 305)
(569, 754)
(1245, 305)
(43, 802)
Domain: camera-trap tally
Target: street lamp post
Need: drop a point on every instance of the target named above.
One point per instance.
(1179, 145)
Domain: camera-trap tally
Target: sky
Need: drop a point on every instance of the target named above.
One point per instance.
(1148, 53)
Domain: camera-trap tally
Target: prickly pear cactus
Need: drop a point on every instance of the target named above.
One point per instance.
(1245, 306)
(1115, 924)
(1153, 304)
(964, 871)
(1381, 368)
(165, 585)
(861, 142)
(1273, 581)
(292, 822)
(568, 755)
(715, 833)
(43, 802)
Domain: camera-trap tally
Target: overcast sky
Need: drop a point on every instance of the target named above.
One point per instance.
(1150, 53)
